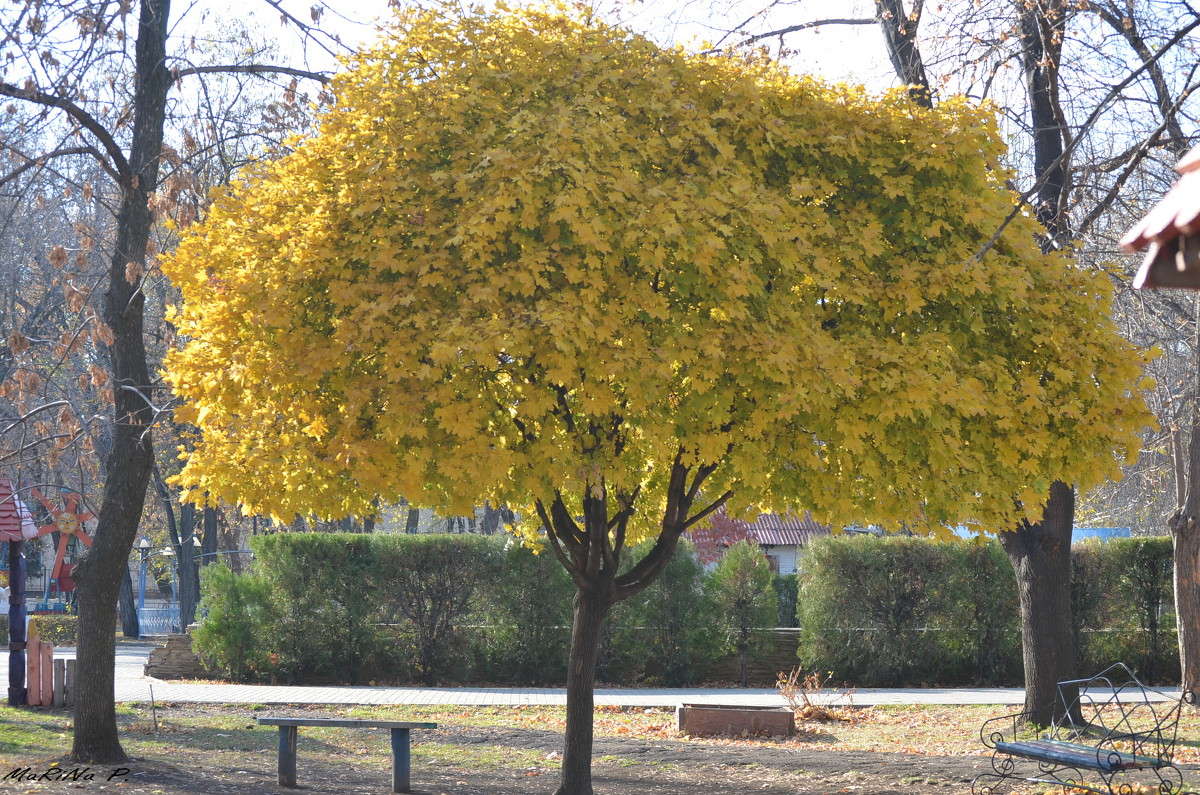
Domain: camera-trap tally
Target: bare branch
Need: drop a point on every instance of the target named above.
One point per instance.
(252, 69)
(802, 26)
(118, 162)
(306, 29)
(14, 422)
(1068, 151)
(716, 506)
(41, 161)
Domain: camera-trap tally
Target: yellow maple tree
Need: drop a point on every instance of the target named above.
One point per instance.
(536, 259)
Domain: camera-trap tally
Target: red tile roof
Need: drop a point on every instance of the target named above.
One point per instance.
(16, 523)
(773, 530)
(1173, 259)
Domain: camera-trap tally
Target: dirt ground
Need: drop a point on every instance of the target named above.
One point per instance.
(623, 766)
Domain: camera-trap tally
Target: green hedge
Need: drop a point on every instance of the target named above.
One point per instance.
(53, 628)
(530, 610)
(1124, 606)
(664, 635)
(345, 607)
(57, 628)
(877, 611)
(899, 611)
(891, 611)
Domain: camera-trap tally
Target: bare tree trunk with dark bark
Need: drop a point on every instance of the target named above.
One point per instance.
(1040, 554)
(900, 32)
(98, 574)
(127, 608)
(1185, 533)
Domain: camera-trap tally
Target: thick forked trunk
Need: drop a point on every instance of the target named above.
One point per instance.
(592, 555)
(131, 459)
(591, 608)
(1041, 557)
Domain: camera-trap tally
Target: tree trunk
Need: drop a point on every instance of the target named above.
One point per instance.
(1185, 531)
(413, 522)
(186, 579)
(591, 608)
(900, 35)
(189, 582)
(127, 607)
(1041, 553)
(16, 623)
(98, 574)
(1041, 558)
(208, 541)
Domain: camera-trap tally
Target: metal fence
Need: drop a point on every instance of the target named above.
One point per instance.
(159, 621)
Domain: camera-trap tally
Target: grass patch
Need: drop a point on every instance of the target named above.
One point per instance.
(189, 734)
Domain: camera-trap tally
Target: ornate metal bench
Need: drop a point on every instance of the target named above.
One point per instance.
(1115, 734)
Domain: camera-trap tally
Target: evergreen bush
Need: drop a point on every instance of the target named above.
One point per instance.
(530, 616)
(431, 582)
(671, 621)
(236, 629)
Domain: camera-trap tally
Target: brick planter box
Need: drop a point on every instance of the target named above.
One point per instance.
(733, 720)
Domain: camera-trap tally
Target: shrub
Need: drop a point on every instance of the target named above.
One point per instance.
(981, 631)
(325, 596)
(671, 621)
(1124, 606)
(530, 616)
(743, 596)
(237, 623)
(871, 608)
(787, 588)
(61, 630)
(430, 581)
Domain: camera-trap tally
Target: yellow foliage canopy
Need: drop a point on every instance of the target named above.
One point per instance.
(529, 254)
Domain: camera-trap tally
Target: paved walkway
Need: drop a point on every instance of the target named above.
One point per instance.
(133, 685)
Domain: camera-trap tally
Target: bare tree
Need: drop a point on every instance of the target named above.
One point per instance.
(91, 80)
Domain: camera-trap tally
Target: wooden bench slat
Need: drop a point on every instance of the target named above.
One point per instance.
(346, 722)
(1076, 755)
(1130, 760)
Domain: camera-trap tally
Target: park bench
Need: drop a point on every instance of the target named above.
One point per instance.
(400, 743)
(1114, 735)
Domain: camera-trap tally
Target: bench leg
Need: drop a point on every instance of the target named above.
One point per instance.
(400, 760)
(287, 756)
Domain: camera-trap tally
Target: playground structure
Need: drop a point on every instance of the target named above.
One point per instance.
(58, 589)
(68, 521)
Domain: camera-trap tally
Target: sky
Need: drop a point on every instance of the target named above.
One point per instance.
(836, 52)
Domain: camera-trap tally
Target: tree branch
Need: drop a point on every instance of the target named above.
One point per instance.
(801, 26)
(304, 28)
(118, 162)
(1088, 123)
(716, 506)
(41, 161)
(251, 69)
(563, 558)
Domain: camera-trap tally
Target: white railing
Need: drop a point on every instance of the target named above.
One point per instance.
(159, 621)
